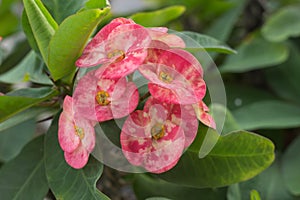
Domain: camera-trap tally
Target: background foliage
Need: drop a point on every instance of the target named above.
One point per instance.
(255, 45)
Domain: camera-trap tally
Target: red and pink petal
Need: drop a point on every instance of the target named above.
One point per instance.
(78, 158)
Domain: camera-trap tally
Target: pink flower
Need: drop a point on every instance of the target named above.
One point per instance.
(156, 137)
(161, 34)
(202, 110)
(101, 99)
(76, 136)
(122, 45)
(175, 76)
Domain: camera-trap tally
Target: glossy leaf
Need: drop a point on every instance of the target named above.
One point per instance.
(23, 178)
(223, 26)
(31, 69)
(64, 181)
(60, 11)
(290, 167)
(14, 139)
(283, 24)
(28, 32)
(73, 33)
(158, 17)
(284, 79)
(146, 187)
(255, 53)
(233, 159)
(24, 116)
(17, 101)
(269, 184)
(91, 4)
(206, 43)
(41, 23)
(268, 114)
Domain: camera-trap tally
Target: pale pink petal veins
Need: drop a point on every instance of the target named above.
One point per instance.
(88, 140)
(78, 158)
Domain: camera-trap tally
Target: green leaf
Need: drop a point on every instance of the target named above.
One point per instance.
(239, 95)
(17, 101)
(145, 187)
(206, 43)
(283, 24)
(31, 68)
(268, 114)
(68, 42)
(60, 10)
(255, 53)
(64, 181)
(24, 116)
(284, 79)
(14, 139)
(233, 159)
(223, 26)
(290, 167)
(91, 4)
(24, 177)
(224, 120)
(254, 195)
(28, 32)
(158, 17)
(41, 23)
(269, 184)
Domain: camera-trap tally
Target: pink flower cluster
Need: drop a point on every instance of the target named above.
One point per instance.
(155, 137)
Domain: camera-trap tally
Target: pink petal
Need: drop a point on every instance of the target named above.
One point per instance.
(67, 137)
(95, 52)
(164, 94)
(127, 103)
(88, 141)
(78, 158)
(201, 111)
(84, 96)
(161, 34)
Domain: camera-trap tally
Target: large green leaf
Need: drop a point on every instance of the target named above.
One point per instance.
(24, 177)
(233, 159)
(205, 42)
(64, 181)
(269, 184)
(284, 79)
(60, 10)
(255, 53)
(268, 114)
(223, 26)
(68, 42)
(291, 166)
(146, 186)
(283, 24)
(158, 17)
(17, 101)
(14, 139)
(31, 69)
(24, 116)
(41, 23)
(239, 95)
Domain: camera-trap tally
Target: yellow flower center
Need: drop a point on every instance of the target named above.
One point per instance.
(79, 132)
(165, 77)
(119, 54)
(157, 131)
(102, 98)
